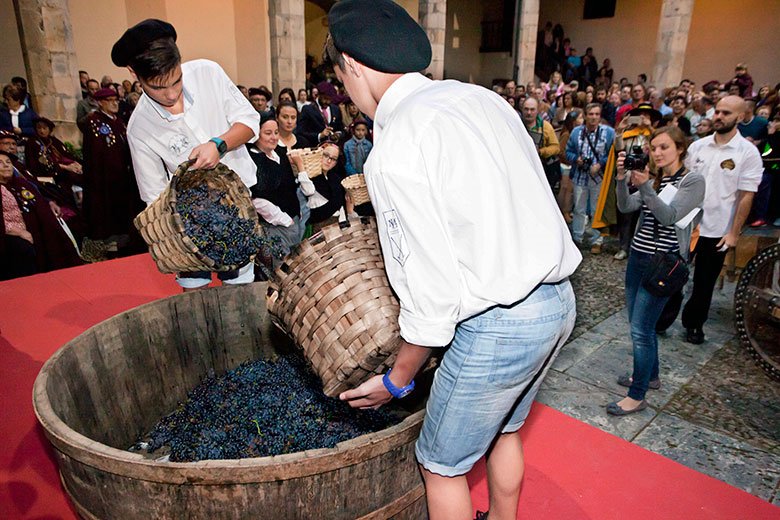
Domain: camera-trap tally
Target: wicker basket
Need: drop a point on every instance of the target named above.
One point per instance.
(312, 160)
(163, 229)
(331, 295)
(357, 189)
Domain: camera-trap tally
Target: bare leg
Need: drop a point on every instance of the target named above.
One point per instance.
(505, 467)
(448, 498)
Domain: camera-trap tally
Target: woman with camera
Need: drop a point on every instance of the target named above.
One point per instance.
(659, 248)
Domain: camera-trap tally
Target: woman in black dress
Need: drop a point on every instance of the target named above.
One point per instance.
(274, 195)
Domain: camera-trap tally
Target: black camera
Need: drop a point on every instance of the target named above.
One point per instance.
(336, 136)
(636, 160)
(587, 162)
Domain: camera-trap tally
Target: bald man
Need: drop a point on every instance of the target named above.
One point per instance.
(732, 168)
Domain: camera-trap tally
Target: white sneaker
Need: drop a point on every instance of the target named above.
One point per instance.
(620, 255)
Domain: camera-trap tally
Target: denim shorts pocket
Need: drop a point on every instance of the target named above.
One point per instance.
(518, 358)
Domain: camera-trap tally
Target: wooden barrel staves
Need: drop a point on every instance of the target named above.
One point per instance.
(332, 296)
(103, 389)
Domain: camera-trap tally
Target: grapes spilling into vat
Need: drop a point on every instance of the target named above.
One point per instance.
(261, 408)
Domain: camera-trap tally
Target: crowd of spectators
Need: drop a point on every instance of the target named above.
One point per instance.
(64, 205)
(687, 106)
(90, 193)
(576, 100)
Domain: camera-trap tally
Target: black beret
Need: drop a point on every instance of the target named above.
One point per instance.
(45, 120)
(379, 34)
(137, 38)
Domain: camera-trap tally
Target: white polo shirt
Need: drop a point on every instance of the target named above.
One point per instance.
(466, 218)
(160, 141)
(734, 166)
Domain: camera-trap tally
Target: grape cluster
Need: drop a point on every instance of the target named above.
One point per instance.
(215, 226)
(262, 408)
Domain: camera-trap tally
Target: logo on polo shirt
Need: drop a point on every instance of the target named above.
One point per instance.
(728, 164)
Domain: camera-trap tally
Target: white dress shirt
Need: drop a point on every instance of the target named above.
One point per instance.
(734, 166)
(466, 218)
(15, 115)
(160, 141)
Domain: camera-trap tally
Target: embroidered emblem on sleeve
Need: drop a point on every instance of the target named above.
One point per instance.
(399, 247)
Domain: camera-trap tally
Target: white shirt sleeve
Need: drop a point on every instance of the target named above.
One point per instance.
(419, 260)
(150, 173)
(272, 213)
(307, 186)
(752, 171)
(237, 107)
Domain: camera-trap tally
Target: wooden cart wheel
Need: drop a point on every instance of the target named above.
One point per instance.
(757, 309)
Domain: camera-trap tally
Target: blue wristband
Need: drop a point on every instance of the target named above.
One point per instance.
(221, 146)
(396, 392)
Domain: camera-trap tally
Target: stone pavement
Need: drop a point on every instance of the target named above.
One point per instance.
(716, 412)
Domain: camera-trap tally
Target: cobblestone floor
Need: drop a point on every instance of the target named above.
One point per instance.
(598, 286)
(716, 412)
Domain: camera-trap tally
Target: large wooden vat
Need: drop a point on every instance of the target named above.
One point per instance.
(110, 384)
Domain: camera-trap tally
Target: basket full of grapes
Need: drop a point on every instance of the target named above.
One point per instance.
(203, 221)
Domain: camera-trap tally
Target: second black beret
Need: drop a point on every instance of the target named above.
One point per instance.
(137, 38)
(379, 34)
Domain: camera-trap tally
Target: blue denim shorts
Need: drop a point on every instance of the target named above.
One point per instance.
(490, 375)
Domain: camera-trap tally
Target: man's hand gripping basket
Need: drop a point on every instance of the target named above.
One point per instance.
(331, 295)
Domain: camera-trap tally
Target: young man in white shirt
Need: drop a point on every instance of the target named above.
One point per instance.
(732, 169)
(189, 111)
(474, 247)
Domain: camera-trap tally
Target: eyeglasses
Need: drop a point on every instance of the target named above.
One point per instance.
(330, 157)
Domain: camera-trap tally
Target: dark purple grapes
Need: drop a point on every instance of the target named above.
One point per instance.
(262, 408)
(216, 227)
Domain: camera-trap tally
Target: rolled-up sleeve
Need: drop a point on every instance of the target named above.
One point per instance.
(419, 260)
(237, 107)
(752, 171)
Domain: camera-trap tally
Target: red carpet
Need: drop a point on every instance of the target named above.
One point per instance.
(573, 471)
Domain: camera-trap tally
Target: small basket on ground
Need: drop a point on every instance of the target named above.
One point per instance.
(163, 228)
(357, 189)
(312, 160)
(332, 296)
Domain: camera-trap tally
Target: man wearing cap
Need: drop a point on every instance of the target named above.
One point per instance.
(321, 118)
(259, 98)
(474, 246)
(189, 111)
(111, 199)
(635, 132)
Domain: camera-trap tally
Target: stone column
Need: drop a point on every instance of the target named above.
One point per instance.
(288, 44)
(671, 42)
(433, 18)
(527, 27)
(50, 61)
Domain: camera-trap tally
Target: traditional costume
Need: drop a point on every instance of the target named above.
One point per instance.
(111, 199)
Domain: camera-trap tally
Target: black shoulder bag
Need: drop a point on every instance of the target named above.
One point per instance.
(668, 271)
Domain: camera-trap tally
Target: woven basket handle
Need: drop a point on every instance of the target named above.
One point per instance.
(183, 167)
